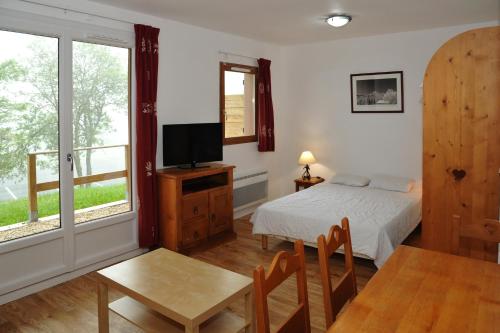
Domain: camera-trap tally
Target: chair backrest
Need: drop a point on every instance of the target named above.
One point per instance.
(283, 266)
(346, 288)
(487, 230)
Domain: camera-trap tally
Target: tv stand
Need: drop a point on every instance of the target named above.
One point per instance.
(192, 166)
(195, 206)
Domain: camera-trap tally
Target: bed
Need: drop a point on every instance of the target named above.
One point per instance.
(379, 220)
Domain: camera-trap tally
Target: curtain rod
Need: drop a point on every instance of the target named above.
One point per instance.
(75, 11)
(237, 55)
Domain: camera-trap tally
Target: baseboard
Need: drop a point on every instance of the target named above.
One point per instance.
(34, 288)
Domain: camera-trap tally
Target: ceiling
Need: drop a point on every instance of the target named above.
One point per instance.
(302, 21)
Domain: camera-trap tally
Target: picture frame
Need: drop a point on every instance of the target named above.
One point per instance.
(378, 92)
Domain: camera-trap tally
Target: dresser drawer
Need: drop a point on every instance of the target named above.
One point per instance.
(194, 206)
(194, 230)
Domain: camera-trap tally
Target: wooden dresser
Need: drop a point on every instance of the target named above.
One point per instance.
(195, 206)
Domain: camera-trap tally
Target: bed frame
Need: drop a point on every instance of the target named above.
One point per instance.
(265, 238)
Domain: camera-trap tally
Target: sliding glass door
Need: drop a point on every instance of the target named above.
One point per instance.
(66, 146)
(88, 132)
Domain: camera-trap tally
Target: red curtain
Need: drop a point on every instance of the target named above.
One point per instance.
(146, 70)
(265, 107)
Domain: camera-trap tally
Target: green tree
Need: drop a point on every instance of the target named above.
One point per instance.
(99, 83)
(99, 86)
(10, 72)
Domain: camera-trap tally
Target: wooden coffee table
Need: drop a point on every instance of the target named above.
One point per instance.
(169, 292)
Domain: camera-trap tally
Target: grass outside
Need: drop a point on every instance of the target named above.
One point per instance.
(15, 211)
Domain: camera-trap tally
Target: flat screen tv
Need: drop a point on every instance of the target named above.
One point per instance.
(189, 144)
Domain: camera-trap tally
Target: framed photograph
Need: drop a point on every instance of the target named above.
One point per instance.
(377, 92)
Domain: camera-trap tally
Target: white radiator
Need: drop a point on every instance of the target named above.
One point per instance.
(250, 190)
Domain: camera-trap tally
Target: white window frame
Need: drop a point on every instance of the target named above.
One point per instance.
(68, 31)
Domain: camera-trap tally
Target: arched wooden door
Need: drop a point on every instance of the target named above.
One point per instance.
(462, 139)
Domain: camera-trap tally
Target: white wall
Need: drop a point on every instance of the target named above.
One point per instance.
(189, 89)
(318, 93)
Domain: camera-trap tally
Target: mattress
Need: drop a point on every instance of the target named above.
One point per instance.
(379, 220)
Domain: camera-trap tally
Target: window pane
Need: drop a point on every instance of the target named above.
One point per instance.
(29, 135)
(239, 90)
(100, 131)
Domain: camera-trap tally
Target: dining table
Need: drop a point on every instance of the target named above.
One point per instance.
(419, 290)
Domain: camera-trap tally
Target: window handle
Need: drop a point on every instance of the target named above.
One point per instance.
(69, 158)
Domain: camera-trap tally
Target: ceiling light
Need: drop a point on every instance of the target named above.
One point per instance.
(338, 20)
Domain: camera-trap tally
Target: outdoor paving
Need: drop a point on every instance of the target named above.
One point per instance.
(30, 228)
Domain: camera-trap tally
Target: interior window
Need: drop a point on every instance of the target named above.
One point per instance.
(238, 101)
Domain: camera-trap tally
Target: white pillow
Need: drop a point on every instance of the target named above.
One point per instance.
(392, 183)
(350, 180)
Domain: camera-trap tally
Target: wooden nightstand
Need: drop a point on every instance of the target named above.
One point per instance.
(305, 183)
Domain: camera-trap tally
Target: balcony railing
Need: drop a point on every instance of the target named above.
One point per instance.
(34, 187)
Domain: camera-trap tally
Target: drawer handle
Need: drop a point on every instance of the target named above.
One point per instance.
(196, 235)
(213, 217)
(195, 210)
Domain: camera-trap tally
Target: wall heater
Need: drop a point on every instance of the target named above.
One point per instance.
(249, 191)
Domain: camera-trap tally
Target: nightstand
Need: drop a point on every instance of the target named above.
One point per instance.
(305, 183)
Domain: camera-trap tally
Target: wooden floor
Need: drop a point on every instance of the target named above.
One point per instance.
(72, 306)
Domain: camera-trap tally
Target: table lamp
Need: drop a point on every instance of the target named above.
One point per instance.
(306, 158)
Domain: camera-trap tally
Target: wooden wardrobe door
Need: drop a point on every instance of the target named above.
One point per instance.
(480, 139)
(441, 149)
(462, 139)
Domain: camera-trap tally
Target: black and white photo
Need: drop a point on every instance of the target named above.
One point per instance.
(377, 92)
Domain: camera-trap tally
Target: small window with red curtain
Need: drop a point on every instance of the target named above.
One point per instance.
(238, 101)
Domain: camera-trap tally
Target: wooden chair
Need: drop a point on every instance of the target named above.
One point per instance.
(283, 266)
(345, 289)
(487, 230)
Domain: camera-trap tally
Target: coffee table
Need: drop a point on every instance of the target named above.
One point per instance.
(169, 292)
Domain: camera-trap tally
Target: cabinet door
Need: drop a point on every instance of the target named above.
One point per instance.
(221, 210)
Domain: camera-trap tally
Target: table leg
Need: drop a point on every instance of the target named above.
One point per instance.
(249, 313)
(102, 307)
(192, 329)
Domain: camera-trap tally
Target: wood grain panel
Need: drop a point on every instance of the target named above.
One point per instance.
(461, 122)
(426, 291)
(220, 210)
(440, 154)
(480, 140)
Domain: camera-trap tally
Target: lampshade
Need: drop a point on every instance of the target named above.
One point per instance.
(306, 158)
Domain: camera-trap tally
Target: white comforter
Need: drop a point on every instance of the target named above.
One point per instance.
(379, 220)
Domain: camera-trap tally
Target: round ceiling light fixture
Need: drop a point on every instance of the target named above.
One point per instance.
(338, 20)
